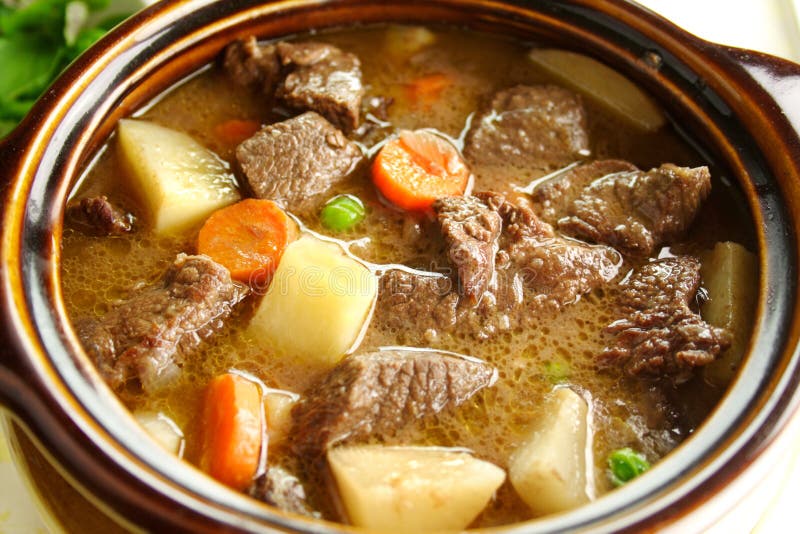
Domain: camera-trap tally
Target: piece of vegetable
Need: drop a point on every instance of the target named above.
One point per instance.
(414, 169)
(278, 405)
(601, 84)
(549, 470)
(233, 132)
(402, 42)
(231, 430)
(163, 430)
(412, 489)
(38, 39)
(180, 181)
(248, 238)
(427, 89)
(626, 464)
(342, 212)
(317, 304)
(730, 275)
(556, 371)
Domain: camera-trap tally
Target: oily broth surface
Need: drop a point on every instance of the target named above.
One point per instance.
(99, 272)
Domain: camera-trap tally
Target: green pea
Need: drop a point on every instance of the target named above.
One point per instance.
(342, 213)
(625, 465)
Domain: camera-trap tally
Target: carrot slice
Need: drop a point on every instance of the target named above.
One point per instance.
(234, 131)
(418, 167)
(231, 430)
(427, 89)
(248, 238)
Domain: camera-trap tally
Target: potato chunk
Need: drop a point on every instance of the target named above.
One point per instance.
(412, 489)
(549, 469)
(730, 275)
(278, 406)
(601, 84)
(163, 430)
(180, 181)
(317, 304)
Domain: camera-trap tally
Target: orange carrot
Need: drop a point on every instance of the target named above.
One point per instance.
(231, 431)
(248, 238)
(428, 88)
(418, 167)
(234, 131)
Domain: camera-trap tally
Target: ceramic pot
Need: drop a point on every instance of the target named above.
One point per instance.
(743, 106)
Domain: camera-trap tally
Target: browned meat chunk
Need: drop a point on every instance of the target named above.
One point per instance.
(293, 161)
(636, 211)
(147, 337)
(98, 216)
(283, 490)
(552, 270)
(660, 336)
(539, 127)
(535, 269)
(470, 230)
(253, 65)
(553, 198)
(376, 394)
(324, 79)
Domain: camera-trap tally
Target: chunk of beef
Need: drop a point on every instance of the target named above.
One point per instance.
(98, 216)
(552, 271)
(660, 336)
(375, 394)
(281, 489)
(324, 79)
(636, 211)
(147, 337)
(539, 127)
(470, 230)
(535, 270)
(252, 65)
(553, 198)
(293, 161)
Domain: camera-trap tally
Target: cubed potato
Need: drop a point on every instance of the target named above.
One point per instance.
(549, 470)
(412, 489)
(163, 430)
(179, 181)
(730, 275)
(402, 42)
(278, 408)
(601, 84)
(317, 304)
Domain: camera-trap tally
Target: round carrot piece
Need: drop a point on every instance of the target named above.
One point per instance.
(418, 167)
(248, 238)
(232, 430)
(234, 131)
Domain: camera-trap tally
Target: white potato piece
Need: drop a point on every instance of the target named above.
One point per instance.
(549, 470)
(317, 304)
(163, 430)
(402, 42)
(730, 275)
(278, 406)
(412, 489)
(180, 181)
(601, 84)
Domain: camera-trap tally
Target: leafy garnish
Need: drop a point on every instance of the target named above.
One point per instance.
(38, 39)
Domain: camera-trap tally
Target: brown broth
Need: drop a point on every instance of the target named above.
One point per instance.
(97, 272)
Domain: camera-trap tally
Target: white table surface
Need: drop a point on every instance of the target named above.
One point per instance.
(771, 26)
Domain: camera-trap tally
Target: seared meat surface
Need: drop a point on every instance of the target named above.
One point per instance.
(376, 394)
(636, 211)
(253, 65)
(147, 337)
(281, 489)
(470, 229)
(98, 216)
(539, 127)
(660, 336)
(294, 161)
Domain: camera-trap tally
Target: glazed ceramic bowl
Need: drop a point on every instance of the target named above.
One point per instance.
(742, 107)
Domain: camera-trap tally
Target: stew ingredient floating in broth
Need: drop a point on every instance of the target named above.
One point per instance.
(357, 274)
